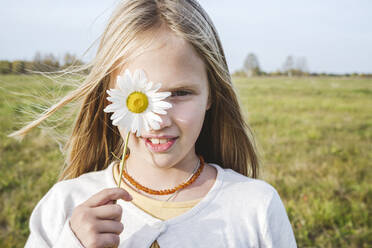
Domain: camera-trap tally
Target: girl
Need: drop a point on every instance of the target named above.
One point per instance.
(168, 195)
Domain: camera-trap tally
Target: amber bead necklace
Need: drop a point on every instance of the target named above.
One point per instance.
(183, 185)
(169, 197)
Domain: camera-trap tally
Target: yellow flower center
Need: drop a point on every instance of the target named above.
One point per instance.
(137, 102)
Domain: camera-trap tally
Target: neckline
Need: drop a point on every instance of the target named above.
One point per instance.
(154, 202)
(204, 202)
(157, 203)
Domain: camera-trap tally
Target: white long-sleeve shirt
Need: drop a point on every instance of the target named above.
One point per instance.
(237, 212)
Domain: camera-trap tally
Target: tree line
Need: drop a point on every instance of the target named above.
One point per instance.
(40, 63)
(292, 66)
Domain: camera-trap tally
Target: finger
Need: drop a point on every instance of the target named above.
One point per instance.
(108, 240)
(107, 195)
(110, 212)
(110, 226)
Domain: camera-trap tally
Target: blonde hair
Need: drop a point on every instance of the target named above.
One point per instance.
(225, 138)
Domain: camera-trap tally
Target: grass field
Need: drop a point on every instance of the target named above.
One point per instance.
(315, 137)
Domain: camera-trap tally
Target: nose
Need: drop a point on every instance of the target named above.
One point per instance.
(166, 121)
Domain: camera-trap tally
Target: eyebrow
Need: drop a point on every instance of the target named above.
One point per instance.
(183, 86)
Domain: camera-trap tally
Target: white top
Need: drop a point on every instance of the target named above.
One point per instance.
(238, 211)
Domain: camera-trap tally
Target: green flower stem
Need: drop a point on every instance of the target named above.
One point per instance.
(123, 158)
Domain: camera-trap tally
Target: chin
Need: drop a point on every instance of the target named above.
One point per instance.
(162, 161)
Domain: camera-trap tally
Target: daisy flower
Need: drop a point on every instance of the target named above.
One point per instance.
(136, 103)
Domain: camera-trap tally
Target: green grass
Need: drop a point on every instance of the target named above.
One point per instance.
(315, 137)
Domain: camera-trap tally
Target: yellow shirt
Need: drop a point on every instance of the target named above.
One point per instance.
(163, 210)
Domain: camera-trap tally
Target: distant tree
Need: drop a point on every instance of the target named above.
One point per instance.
(366, 75)
(37, 62)
(288, 66)
(295, 66)
(18, 66)
(28, 66)
(239, 73)
(45, 63)
(251, 66)
(70, 59)
(263, 73)
(276, 73)
(301, 65)
(51, 62)
(5, 67)
(37, 57)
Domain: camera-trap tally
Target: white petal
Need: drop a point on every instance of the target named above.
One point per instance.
(159, 111)
(114, 92)
(118, 105)
(113, 107)
(136, 75)
(135, 124)
(127, 76)
(140, 78)
(158, 95)
(162, 104)
(140, 125)
(154, 125)
(125, 122)
(148, 86)
(119, 114)
(122, 83)
(153, 117)
(145, 123)
(116, 99)
(108, 109)
(156, 87)
(143, 84)
(128, 81)
(120, 119)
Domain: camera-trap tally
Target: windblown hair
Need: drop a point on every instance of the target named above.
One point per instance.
(225, 138)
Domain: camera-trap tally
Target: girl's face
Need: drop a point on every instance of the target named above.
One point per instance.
(172, 62)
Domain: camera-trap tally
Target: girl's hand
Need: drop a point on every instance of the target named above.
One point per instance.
(96, 222)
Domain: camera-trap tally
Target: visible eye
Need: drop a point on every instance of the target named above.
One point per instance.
(180, 93)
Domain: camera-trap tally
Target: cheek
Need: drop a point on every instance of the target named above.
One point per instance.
(189, 117)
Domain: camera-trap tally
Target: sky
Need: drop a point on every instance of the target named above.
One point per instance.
(335, 36)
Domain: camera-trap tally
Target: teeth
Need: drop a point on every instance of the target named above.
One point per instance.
(154, 141)
(159, 141)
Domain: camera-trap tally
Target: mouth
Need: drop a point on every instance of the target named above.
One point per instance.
(160, 144)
